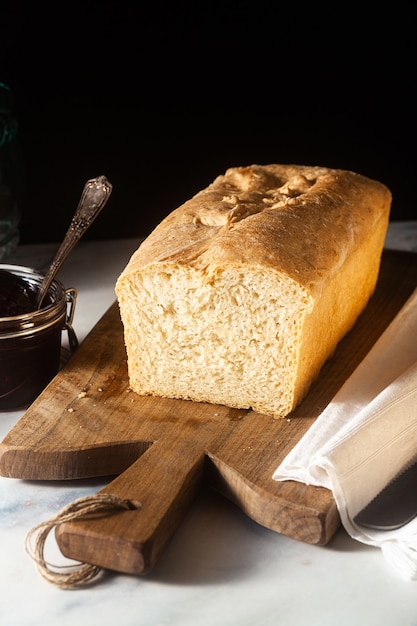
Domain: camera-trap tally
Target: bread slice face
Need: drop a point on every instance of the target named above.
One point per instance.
(240, 295)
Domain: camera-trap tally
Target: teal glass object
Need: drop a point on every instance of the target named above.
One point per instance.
(9, 208)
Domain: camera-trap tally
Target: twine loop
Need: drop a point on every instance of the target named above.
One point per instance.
(77, 573)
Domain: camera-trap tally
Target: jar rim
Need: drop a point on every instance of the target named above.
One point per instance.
(40, 318)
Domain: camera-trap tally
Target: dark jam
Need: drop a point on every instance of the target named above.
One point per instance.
(30, 339)
(27, 365)
(17, 296)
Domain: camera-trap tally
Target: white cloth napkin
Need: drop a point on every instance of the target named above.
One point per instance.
(366, 435)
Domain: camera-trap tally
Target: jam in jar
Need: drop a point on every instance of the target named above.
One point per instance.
(30, 339)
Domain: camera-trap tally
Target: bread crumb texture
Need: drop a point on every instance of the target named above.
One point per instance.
(240, 295)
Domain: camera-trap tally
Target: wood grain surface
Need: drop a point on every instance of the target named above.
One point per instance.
(157, 452)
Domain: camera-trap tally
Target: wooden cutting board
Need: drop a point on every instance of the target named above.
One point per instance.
(87, 423)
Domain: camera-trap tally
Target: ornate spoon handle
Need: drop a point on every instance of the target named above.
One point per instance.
(95, 195)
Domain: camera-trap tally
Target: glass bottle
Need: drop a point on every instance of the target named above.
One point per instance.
(10, 180)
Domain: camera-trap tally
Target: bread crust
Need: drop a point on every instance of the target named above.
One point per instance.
(303, 221)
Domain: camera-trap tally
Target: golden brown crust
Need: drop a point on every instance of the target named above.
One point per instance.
(250, 214)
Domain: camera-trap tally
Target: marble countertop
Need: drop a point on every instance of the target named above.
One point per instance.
(220, 568)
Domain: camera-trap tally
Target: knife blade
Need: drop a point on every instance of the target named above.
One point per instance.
(395, 505)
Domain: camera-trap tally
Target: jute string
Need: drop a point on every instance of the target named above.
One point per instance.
(76, 574)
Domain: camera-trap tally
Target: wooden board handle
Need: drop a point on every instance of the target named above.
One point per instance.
(162, 483)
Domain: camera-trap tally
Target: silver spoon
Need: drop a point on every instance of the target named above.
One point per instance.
(93, 198)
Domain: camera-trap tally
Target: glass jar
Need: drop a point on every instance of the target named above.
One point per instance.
(31, 344)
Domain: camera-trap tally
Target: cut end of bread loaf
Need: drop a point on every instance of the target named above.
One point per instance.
(226, 337)
(239, 296)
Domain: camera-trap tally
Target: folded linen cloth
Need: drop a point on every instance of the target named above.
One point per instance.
(365, 436)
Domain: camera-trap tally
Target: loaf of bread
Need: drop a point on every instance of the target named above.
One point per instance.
(240, 295)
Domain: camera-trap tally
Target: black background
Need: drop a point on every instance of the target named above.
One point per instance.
(163, 98)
